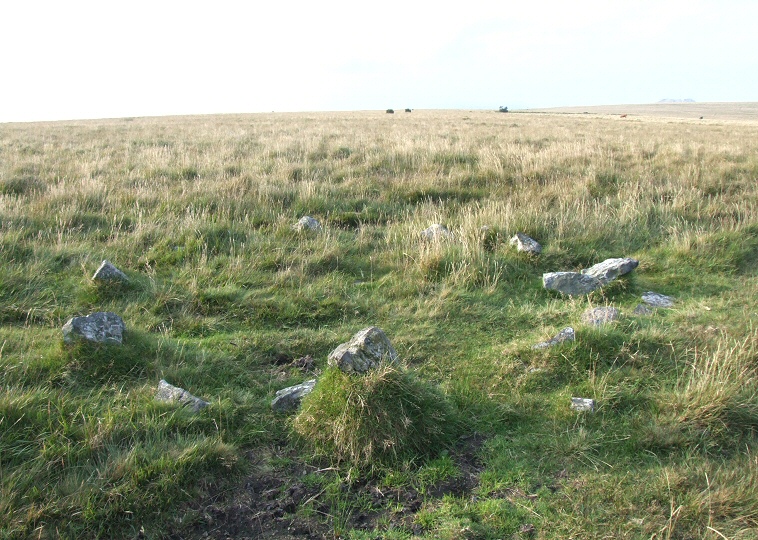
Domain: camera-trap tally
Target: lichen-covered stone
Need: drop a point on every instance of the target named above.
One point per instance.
(107, 272)
(600, 315)
(567, 334)
(436, 232)
(571, 283)
(582, 404)
(174, 394)
(365, 350)
(643, 310)
(610, 269)
(657, 300)
(307, 223)
(100, 327)
(288, 399)
(526, 244)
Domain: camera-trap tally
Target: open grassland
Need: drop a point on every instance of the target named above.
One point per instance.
(224, 294)
(719, 112)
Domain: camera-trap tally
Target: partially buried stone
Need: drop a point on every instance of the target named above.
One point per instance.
(100, 327)
(288, 399)
(108, 273)
(526, 243)
(436, 232)
(610, 269)
(582, 404)
(571, 283)
(307, 223)
(567, 334)
(643, 310)
(365, 350)
(657, 300)
(600, 315)
(174, 394)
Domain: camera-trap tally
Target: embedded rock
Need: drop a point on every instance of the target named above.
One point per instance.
(600, 315)
(526, 243)
(643, 310)
(363, 352)
(288, 399)
(109, 273)
(582, 404)
(571, 283)
(567, 334)
(100, 327)
(307, 223)
(610, 269)
(173, 394)
(436, 232)
(657, 300)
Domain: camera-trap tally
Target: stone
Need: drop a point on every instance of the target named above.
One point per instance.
(526, 243)
(582, 404)
(436, 232)
(173, 394)
(365, 350)
(657, 300)
(610, 269)
(571, 283)
(100, 327)
(109, 273)
(600, 315)
(307, 223)
(288, 399)
(643, 310)
(567, 334)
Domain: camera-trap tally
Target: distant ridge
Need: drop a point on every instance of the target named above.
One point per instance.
(688, 100)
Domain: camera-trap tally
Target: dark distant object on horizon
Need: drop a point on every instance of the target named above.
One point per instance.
(688, 100)
(408, 110)
(623, 116)
(390, 111)
(502, 109)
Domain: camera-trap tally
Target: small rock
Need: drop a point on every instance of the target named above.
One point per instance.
(582, 404)
(100, 327)
(173, 394)
(526, 243)
(567, 334)
(436, 232)
(108, 272)
(365, 350)
(288, 399)
(643, 310)
(307, 223)
(571, 283)
(600, 315)
(657, 300)
(610, 269)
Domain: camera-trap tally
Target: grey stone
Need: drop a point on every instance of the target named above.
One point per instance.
(567, 334)
(582, 404)
(365, 350)
(526, 243)
(571, 283)
(307, 223)
(657, 300)
(107, 272)
(173, 394)
(610, 269)
(600, 315)
(288, 399)
(100, 327)
(436, 232)
(643, 310)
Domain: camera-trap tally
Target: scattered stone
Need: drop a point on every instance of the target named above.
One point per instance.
(305, 363)
(526, 243)
(567, 334)
(173, 394)
(571, 283)
(582, 404)
(657, 300)
(600, 315)
(364, 351)
(288, 399)
(436, 232)
(643, 310)
(100, 327)
(610, 269)
(307, 223)
(108, 273)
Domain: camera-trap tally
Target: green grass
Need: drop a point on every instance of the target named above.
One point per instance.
(223, 294)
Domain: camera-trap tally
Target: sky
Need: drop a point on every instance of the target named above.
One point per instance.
(77, 59)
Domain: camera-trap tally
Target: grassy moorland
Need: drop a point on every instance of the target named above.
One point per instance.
(224, 297)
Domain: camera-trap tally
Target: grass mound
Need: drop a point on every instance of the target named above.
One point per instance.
(385, 415)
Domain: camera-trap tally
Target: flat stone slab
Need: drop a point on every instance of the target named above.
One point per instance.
(582, 404)
(436, 232)
(174, 394)
(365, 350)
(610, 269)
(567, 334)
(571, 283)
(600, 315)
(288, 399)
(107, 272)
(526, 244)
(100, 327)
(657, 300)
(307, 223)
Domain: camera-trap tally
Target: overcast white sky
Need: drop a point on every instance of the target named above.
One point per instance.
(68, 59)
